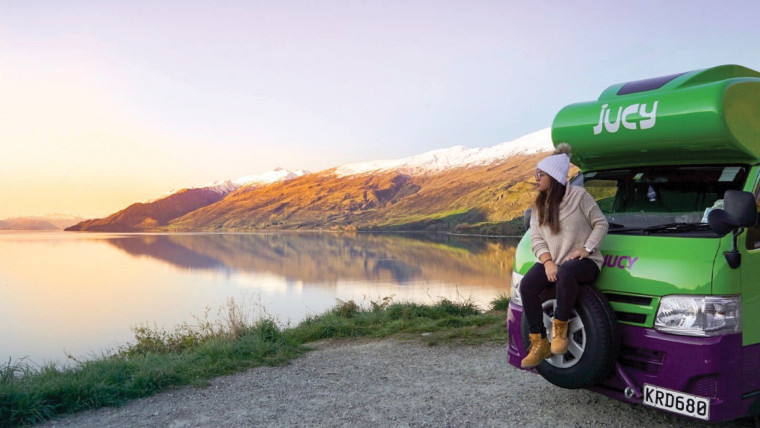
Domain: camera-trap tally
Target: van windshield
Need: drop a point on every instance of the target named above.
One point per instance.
(661, 199)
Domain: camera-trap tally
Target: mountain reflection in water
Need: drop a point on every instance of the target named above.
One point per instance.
(327, 258)
(82, 292)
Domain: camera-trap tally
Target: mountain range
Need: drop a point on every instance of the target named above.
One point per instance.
(483, 190)
(149, 216)
(46, 222)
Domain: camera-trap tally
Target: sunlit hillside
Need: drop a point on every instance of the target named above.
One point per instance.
(388, 200)
(457, 189)
(149, 216)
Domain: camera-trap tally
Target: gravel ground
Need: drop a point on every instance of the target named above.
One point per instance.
(381, 383)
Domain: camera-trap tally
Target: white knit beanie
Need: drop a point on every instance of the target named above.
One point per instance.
(558, 164)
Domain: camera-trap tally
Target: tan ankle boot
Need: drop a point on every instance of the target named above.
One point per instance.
(559, 337)
(539, 349)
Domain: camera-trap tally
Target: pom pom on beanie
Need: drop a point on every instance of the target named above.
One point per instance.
(558, 164)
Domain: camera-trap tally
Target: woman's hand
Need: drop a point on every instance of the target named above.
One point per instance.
(551, 270)
(579, 254)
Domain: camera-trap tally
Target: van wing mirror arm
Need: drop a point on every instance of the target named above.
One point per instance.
(733, 256)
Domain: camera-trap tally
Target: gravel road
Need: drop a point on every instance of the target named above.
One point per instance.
(381, 383)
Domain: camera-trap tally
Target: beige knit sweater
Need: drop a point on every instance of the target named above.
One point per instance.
(582, 224)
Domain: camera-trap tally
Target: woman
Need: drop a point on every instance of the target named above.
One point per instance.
(566, 229)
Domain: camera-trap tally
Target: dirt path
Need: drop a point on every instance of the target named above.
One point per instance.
(381, 383)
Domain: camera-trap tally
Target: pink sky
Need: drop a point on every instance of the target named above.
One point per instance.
(108, 103)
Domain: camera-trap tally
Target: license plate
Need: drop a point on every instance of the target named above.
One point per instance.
(677, 402)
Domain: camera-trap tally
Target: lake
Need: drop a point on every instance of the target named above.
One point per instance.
(80, 294)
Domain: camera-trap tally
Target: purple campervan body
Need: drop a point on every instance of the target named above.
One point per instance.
(650, 357)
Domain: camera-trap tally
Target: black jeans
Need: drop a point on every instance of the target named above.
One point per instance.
(569, 274)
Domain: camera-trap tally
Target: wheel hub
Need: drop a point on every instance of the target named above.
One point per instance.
(576, 336)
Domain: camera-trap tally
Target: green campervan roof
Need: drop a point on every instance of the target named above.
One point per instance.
(697, 117)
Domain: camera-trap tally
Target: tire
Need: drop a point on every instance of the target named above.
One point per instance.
(594, 340)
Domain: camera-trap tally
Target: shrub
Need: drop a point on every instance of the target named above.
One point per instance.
(500, 303)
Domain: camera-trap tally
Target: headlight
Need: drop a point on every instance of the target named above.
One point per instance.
(699, 315)
(514, 294)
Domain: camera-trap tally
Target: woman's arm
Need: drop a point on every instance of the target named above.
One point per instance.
(596, 219)
(537, 242)
(540, 249)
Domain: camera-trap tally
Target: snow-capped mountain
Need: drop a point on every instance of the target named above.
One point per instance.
(277, 174)
(455, 157)
(439, 190)
(269, 177)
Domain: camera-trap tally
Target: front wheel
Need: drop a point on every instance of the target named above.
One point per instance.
(593, 341)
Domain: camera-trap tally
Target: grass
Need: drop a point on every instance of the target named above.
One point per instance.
(193, 354)
(445, 321)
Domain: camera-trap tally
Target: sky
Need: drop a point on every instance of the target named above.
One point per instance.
(106, 103)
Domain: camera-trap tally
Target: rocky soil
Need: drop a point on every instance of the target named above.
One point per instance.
(381, 383)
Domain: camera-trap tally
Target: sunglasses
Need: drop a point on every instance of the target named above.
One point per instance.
(539, 175)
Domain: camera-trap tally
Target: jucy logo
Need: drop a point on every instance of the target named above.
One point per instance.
(645, 119)
(620, 262)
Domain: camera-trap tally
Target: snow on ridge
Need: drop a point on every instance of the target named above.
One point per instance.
(455, 157)
(277, 174)
(269, 177)
(436, 160)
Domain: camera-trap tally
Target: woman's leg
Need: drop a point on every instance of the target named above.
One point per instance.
(570, 273)
(531, 286)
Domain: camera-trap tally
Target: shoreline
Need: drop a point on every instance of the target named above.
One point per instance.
(163, 360)
(272, 231)
(387, 382)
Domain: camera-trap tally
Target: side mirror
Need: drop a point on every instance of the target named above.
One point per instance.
(740, 212)
(526, 219)
(741, 206)
(720, 222)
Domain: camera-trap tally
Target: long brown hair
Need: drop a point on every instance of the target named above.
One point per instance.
(547, 204)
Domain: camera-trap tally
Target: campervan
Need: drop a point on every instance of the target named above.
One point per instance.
(673, 320)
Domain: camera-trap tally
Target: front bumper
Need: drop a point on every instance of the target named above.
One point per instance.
(710, 367)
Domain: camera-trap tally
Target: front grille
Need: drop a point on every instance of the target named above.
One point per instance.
(633, 309)
(705, 386)
(627, 298)
(645, 360)
(631, 317)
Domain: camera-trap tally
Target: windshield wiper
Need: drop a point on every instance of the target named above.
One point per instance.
(660, 228)
(677, 228)
(619, 228)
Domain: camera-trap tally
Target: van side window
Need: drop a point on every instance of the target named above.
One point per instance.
(753, 233)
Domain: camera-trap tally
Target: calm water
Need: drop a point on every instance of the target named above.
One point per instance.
(81, 293)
